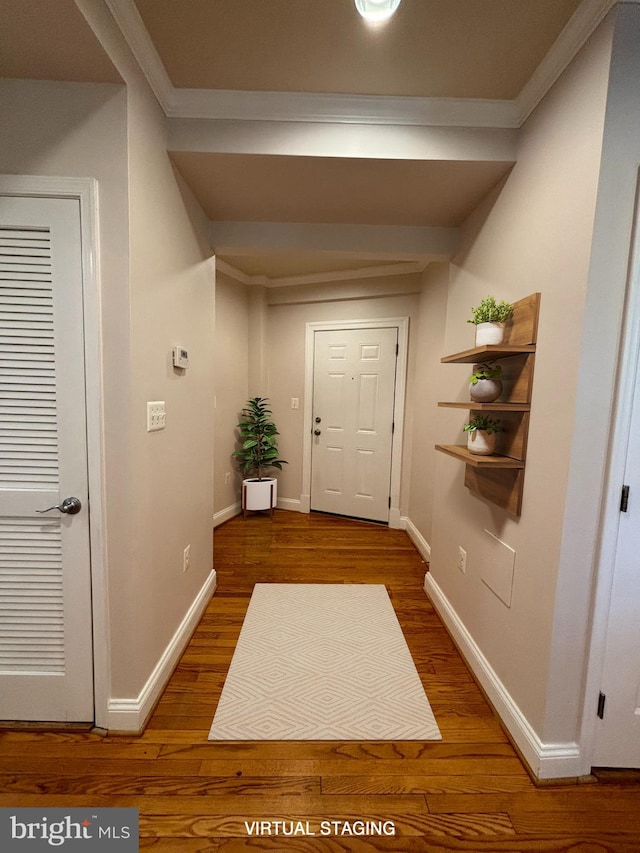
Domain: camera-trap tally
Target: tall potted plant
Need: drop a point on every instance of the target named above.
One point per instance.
(259, 453)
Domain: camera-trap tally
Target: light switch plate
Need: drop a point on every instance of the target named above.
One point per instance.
(156, 416)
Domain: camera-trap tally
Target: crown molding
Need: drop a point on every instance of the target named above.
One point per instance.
(224, 104)
(584, 21)
(234, 273)
(402, 268)
(357, 109)
(128, 19)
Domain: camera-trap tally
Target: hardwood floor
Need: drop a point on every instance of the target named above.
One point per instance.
(468, 792)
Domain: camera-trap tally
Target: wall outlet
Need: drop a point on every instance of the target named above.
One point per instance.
(186, 558)
(462, 560)
(156, 416)
(227, 478)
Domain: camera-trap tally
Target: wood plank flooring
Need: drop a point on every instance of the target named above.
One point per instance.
(468, 792)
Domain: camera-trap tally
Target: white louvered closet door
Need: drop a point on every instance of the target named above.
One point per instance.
(46, 660)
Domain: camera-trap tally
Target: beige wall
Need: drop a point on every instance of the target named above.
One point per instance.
(231, 352)
(532, 234)
(156, 292)
(172, 303)
(289, 311)
(431, 320)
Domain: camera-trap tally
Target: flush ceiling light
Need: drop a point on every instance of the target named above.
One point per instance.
(376, 10)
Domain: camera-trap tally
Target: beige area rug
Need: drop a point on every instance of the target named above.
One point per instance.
(322, 662)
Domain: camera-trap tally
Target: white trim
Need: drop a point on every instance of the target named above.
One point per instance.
(402, 325)
(581, 25)
(231, 511)
(233, 272)
(305, 503)
(401, 268)
(396, 520)
(545, 760)
(130, 715)
(401, 111)
(127, 17)
(227, 513)
(290, 504)
(424, 549)
(356, 109)
(628, 367)
(86, 191)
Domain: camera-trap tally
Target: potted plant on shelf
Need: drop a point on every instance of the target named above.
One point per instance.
(485, 384)
(259, 453)
(489, 318)
(481, 434)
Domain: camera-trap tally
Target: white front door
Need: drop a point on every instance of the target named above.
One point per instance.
(353, 403)
(618, 732)
(46, 660)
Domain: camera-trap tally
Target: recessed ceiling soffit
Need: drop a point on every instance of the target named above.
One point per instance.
(399, 109)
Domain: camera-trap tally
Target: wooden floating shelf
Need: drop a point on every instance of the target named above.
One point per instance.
(459, 451)
(487, 353)
(499, 478)
(489, 407)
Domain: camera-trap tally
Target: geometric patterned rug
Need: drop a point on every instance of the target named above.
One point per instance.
(322, 662)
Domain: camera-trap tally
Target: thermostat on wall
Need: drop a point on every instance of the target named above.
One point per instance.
(180, 357)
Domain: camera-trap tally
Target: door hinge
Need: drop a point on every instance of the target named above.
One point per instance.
(601, 700)
(393, 427)
(397, 349)
(624, 499)
(389, 501)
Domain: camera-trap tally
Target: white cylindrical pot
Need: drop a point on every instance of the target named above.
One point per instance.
(259, 494)
(485, 390)
(489, 333)
(480, 443)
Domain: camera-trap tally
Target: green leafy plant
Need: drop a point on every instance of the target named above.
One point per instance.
(491, 312)
(483, 422)
(486, 371)
(258, 433)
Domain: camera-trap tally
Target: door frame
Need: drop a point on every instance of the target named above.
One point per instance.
(85, 190)
(628, 367)
(402, 325)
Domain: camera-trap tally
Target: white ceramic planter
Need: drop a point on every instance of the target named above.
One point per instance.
(259, 494)
(485, 390)
(480, 443)
(489, 333)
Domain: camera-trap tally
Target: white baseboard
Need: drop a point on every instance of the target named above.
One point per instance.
(227, 513)
(418, 539)
(290, 504)
(130, 715)
(545, 760)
